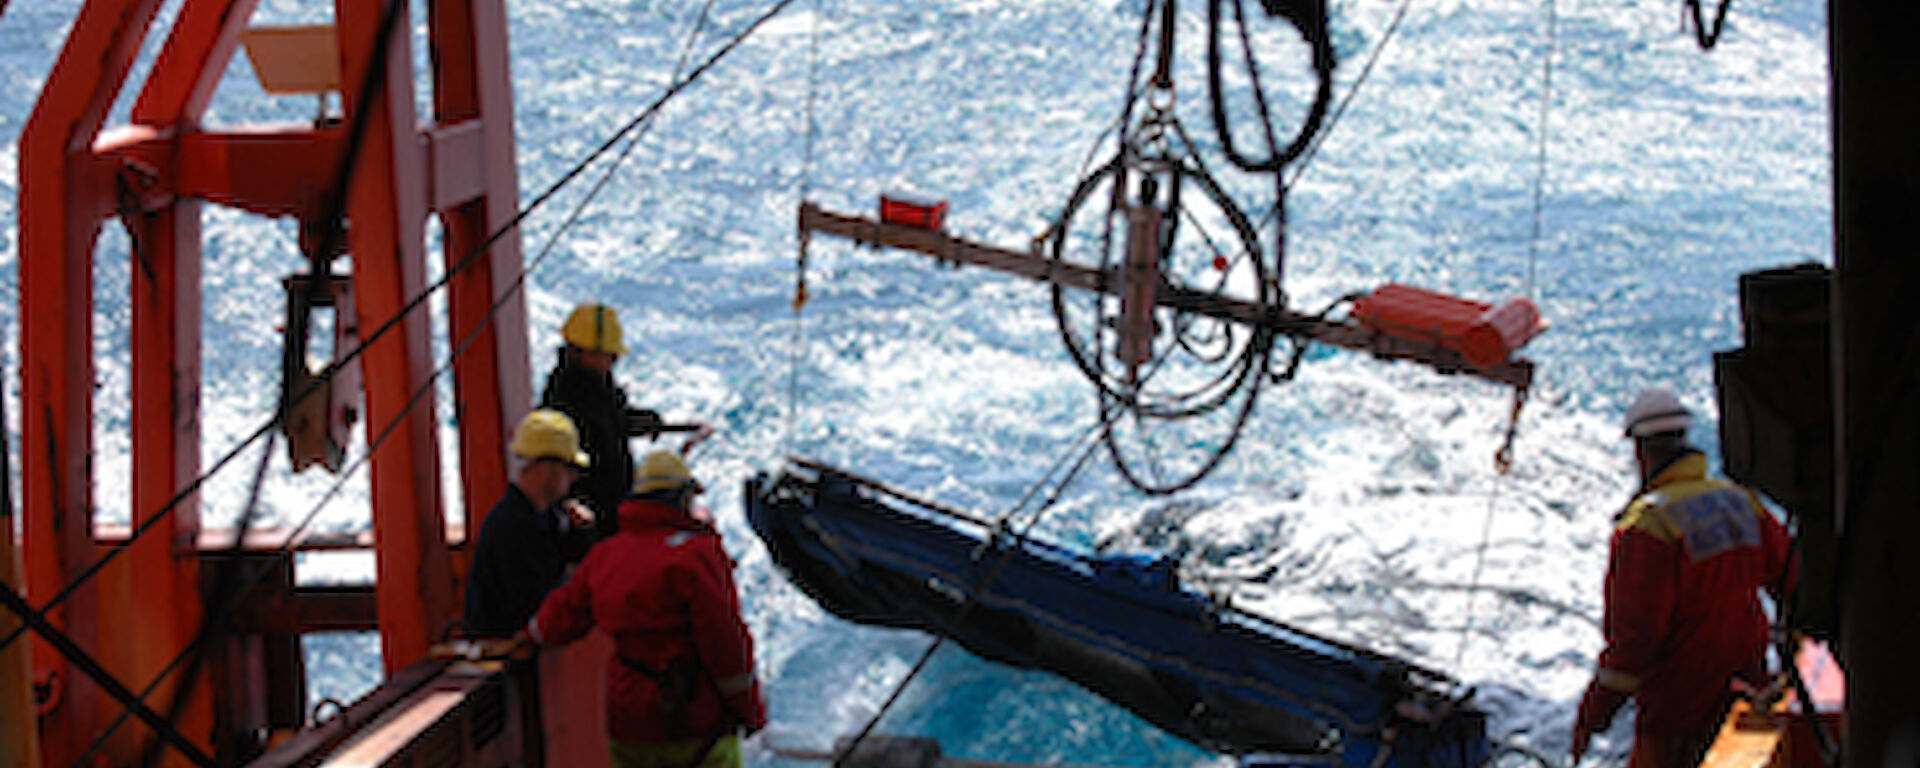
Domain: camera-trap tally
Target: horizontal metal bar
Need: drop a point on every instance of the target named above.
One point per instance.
(1032, 265)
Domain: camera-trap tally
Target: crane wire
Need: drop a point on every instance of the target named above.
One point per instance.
(323, 377)
(1533, 244)
(1085, 445)
(1479, 566)
(1540, 158)
(1340, 110)
(213, 616)
(370, 87)
(246, 582)
(811, 132)
(292, 538)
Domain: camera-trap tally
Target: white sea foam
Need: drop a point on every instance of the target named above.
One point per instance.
(1359, 491)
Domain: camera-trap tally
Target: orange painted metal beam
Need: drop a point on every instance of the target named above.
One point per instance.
(190, 65)
(162, 581)
(473, 97)
(19, 736)
(155, 173)
(64, 194)
(266, 171)
(386, 203)
(165, 598)
(492, 379)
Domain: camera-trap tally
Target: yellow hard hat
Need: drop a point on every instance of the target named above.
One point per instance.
(549, 434)
(594, 328)
(663, 470)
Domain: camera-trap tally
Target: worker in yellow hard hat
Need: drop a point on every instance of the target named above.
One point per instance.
(581, 385)
(532, 534)
(681, 686)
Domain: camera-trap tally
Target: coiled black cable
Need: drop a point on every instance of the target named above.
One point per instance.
(1310, 18)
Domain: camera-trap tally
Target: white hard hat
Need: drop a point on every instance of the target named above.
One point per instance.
(1655, 411)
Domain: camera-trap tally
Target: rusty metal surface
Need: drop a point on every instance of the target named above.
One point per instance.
(1033, 265)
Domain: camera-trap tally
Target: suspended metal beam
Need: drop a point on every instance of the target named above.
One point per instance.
(947, 248)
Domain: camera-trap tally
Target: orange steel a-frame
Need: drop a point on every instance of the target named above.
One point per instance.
(145, 608)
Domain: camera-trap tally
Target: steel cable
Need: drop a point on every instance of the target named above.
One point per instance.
(1085, 446)
(245, 583)
(326, 375)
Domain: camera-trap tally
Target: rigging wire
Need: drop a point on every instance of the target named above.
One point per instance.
(1540, 162)
(1320, 139)
(1479, 566)
(808, 140)
(1707, 36)
(370, 87)
(91, 668)
(1085, 445)
(326, 375)
(293, 536)
(1533, 248)
(213, 618)
(246, 582)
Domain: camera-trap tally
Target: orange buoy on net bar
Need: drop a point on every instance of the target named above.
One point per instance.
(913, 211)
(1484, 334)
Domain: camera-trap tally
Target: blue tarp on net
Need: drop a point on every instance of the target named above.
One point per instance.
(1121, 626)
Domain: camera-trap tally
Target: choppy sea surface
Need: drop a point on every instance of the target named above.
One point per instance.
(1367, 487)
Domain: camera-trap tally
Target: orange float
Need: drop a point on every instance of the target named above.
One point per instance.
(1484, 334)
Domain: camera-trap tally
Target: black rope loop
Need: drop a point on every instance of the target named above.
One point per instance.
(1085, 345)
(1309, 18)
(1706, 35)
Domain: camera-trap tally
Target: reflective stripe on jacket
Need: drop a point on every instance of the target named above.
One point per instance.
(1683, 615)
(663, 589)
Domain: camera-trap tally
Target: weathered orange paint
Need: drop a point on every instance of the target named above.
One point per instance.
(386, 203)
(155, 174)
(64, 193)
(492, 378)
(165, 600)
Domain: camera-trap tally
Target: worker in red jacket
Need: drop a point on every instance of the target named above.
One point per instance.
(681, 686)
(1683, 615)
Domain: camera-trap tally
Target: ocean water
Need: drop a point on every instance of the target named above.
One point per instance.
(1367, 488)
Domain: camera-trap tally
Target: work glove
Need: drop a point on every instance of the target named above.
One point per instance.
(1597, 709)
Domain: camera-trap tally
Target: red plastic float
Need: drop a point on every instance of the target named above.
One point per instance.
(1484, 334)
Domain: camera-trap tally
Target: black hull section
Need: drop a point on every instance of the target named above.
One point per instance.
(1123, 628)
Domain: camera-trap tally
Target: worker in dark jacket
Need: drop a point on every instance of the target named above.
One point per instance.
(582, 386)
(1683, 616)
(531, 535)
(681, 684)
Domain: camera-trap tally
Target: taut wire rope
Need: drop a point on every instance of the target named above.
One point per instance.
(248, 580)
(1540, 156)
(212, 617)
(327, 374)
(811, 134)
(1340, 110)
(1086, 446)
(1533, 247)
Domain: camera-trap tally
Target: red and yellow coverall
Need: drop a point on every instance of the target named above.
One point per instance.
(1683, 615)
